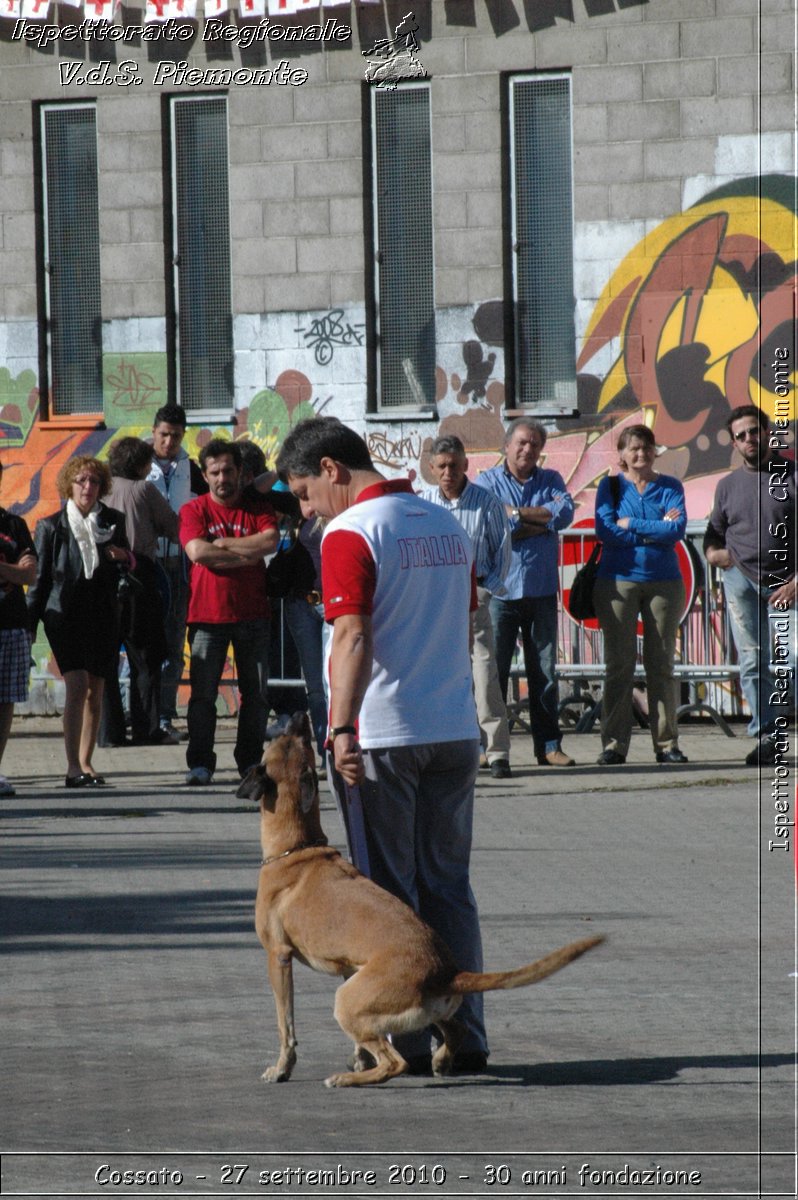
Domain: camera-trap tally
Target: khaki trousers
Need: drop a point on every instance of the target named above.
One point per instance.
(491, 708)
(659, 604)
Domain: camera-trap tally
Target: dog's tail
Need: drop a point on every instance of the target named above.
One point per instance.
(466, 982)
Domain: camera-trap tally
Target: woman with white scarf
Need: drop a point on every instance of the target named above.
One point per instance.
(81, 550)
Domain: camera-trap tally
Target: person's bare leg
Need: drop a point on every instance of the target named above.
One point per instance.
(92, 710)
(76, 684)
(6, 717)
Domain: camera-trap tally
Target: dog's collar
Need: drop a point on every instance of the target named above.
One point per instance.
(294, 850)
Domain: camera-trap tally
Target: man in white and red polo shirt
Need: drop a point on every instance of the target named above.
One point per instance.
(398, 587)
(225, 537)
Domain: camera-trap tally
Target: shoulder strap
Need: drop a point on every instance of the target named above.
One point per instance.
(615, 489)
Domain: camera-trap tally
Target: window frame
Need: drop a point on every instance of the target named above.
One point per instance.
(515, 405)
(88, 418)
(225, 411)
(426, 408)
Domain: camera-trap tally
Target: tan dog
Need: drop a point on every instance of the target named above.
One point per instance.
(315, 906)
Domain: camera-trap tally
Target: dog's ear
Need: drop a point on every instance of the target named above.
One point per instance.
(308, 789)
(257, 785)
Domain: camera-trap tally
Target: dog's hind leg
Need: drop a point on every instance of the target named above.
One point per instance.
(357, 1011)
(452, 1032)
(282, 980)
(388, 1063)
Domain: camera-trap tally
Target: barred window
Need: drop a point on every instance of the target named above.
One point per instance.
(404, 316)
(71, 259)
(201, 253)
(544, 358)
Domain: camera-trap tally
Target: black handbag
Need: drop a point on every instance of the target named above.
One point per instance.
(580, 597)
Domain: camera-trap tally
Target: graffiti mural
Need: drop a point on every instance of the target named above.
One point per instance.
(692, 318)
(688, 325)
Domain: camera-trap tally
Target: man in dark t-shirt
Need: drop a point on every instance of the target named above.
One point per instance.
(752, 536)
(17, 568)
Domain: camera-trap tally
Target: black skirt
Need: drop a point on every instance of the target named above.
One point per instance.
(86, 637)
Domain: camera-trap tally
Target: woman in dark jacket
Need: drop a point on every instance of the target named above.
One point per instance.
(81, 550)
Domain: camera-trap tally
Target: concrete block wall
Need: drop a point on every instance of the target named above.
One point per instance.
(669, 99)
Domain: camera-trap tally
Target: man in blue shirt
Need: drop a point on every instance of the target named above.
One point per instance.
(483, 518)
(538, 507)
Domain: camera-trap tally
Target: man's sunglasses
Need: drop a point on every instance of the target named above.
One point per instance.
(754, 431)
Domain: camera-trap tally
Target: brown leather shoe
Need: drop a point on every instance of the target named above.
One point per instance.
(556, 758)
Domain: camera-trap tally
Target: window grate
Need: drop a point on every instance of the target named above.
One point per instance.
(72, 259)
(405, 283)
(545, 342)
(202, 253)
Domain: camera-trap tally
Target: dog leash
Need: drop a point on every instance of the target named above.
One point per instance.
(294, 850)
(356, 828)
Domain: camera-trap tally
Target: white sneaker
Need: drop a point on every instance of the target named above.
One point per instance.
(199, 777)
(6, 788)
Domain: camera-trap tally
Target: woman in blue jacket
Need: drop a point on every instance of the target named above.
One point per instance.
(639, 577)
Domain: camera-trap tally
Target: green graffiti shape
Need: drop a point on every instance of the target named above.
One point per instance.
(269, 421)
(16, 412)
(134, 386)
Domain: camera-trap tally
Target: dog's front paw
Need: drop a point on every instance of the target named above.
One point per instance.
(276, 1074)
(280, 1072)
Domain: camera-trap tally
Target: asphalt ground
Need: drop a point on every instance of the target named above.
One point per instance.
(137, 1016)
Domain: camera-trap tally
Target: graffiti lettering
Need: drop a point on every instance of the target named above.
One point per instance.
(329, 331)
(394, 452)
(132, 388)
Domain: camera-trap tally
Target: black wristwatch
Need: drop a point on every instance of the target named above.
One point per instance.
(333, 733)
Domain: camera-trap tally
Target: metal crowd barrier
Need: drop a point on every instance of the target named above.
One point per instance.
(705, 655)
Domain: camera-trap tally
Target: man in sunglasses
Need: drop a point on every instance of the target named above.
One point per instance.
(752, 536)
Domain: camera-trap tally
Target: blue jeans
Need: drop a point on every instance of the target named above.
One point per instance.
(209, 644)
(175, 633)
(751, 623)
(306, 623)
(536, 619)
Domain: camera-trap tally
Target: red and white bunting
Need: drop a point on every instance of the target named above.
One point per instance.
(99, 10)
(155, 11)
(215, 8)
(282, 8)
(35, 10)
(10, 8)
(252, 8)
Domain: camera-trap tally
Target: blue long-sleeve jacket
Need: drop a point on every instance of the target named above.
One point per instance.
(644, 551)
